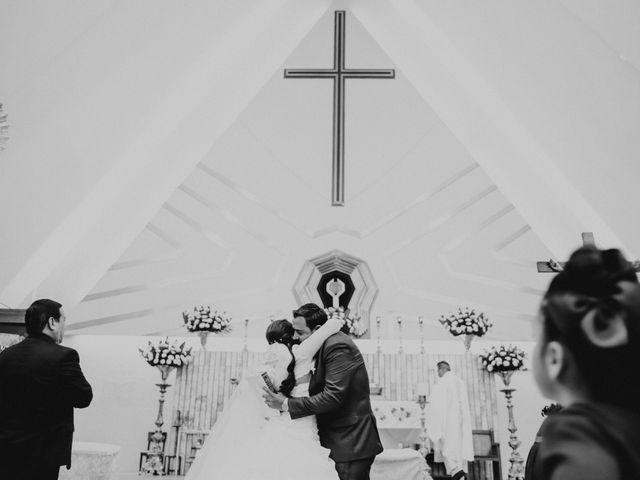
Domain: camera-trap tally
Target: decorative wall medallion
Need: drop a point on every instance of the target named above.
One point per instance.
(360, 287)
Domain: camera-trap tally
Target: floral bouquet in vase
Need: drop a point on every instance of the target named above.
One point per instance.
(166, 355)
(352, 325)
(503, 360)
(203, 321)
(466, 322)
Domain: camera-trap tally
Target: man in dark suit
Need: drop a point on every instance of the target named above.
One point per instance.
(40, 384)
(339, 397)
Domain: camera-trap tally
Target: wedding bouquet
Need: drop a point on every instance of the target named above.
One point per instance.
(352, 325)
(466, 322)
(167, 354)
(202, 319)
(502, 359)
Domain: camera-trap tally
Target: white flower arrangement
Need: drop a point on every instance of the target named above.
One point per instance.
(203, 319)
(165, 353)
(352, 325)
(466, 322)
(502, 359)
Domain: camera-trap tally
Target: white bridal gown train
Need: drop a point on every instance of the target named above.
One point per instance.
(253, 442)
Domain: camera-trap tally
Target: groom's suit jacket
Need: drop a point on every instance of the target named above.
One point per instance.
(40, 384)
(339, 397)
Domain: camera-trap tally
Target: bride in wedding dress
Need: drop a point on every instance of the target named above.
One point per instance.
(250, 441)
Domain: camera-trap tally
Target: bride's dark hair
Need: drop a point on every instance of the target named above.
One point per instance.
(281, 331)
(592, 308)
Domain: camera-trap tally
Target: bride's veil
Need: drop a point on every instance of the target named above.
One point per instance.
(243, 416)
(236, 433)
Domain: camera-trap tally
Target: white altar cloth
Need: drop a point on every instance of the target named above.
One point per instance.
(399, 464)
(91, 461)
(399, 425)
(398, 422)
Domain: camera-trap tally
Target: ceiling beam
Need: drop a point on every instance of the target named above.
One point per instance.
(200, 107)
(477, 115)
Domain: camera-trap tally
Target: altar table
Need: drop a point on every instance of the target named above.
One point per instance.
(399, 426)
(398, 422)
(91, 461)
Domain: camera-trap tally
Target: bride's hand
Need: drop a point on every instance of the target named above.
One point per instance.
(273, 400)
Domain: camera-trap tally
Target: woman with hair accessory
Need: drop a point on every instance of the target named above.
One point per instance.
(587, 358)
(250, 441)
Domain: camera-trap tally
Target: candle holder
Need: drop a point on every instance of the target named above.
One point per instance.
(399, 320)
(154, 463)
(421, 327)
(516, 469)
(4, 128)
(424, 449)
(246, 333)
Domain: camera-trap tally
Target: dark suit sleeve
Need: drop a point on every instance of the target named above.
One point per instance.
(73, 383)
(339, 366)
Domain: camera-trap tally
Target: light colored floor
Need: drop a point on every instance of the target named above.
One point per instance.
(132, 476)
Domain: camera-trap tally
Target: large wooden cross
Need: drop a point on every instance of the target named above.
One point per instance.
(339, 73)
(551, 266)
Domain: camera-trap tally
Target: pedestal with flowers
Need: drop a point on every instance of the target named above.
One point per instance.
(505, 361)
(203, 321)
(165, 356)
(466, 322)
(352, 324)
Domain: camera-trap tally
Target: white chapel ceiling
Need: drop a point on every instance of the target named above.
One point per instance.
(460, 173)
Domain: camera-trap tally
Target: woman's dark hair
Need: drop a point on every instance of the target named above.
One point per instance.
(592, 308)
(39, 313)
(281, 331)
(313, 315)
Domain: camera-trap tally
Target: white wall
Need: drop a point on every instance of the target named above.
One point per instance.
(125, 397)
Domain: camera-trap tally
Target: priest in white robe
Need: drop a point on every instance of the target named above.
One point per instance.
(449, 423)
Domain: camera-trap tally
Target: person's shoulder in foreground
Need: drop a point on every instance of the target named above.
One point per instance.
(591, 441)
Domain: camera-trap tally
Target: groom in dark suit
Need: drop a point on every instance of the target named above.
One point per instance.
(40, 384)
(339, 397)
